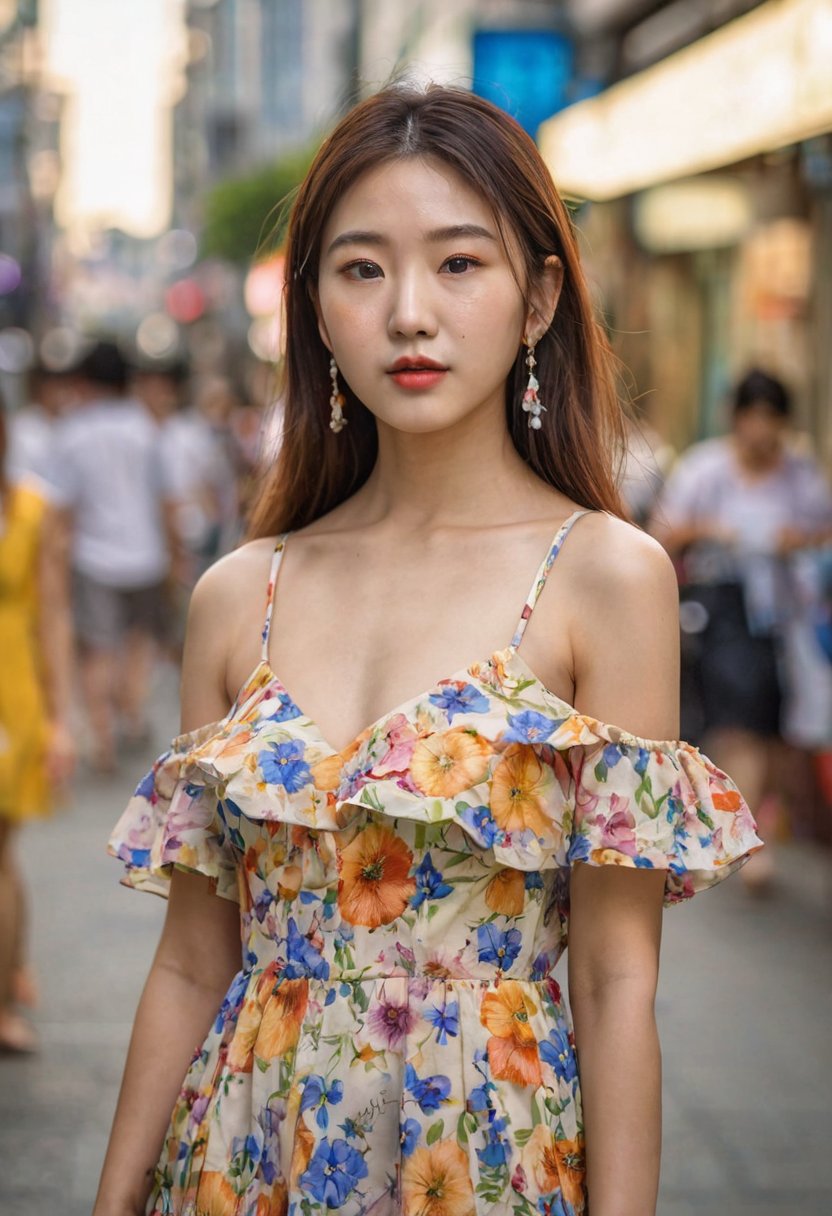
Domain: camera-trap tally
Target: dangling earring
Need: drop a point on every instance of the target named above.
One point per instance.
(532, 404)
(337, 400)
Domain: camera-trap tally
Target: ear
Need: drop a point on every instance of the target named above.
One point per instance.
(322, 329)
(543, 300)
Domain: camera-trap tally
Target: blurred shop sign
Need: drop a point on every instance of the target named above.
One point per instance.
(702, 213)
(762, 82)
(525, 72)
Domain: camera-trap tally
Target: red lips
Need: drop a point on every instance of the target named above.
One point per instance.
(415, 363)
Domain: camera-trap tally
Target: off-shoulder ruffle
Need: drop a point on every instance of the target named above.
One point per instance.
(589, 792)
(654, 805)
(172, 821)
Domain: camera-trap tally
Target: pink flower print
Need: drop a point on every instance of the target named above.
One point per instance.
(390, 1021)
(401, 739)
(618, 827)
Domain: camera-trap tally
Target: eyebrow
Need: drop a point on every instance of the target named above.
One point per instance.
(452, 233)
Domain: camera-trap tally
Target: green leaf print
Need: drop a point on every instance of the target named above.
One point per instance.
(601, 771)
(461, 1133)
(536, 1115)
(522, 1135)
(435, 1131)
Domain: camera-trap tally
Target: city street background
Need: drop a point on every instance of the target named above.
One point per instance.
(744, 1001)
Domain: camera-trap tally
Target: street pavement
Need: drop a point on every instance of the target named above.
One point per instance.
(745, 1012)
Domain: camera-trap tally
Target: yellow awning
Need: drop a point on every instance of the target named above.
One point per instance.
(761, 82)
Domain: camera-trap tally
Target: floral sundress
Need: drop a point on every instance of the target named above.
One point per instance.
(395, 1040)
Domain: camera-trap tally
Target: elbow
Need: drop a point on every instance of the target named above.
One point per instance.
(618, 994)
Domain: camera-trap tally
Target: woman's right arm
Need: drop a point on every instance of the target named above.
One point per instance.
(198, 954)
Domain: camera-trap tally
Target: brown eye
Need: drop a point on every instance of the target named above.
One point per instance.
(459, 265)
(363, 270)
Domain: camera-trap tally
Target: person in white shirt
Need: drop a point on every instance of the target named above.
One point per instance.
(110, 476)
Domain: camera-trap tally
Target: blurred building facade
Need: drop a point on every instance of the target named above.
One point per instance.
(710, 237)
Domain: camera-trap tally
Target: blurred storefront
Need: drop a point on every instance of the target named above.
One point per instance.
(709, 233)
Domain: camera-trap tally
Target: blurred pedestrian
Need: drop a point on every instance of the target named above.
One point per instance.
(733, 512)
(406, 876)
(37, 750)
(110, 474)
(33, 428)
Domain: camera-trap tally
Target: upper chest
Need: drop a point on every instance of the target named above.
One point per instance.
(361, 627)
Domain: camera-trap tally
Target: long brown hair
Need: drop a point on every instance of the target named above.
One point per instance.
(582, 434)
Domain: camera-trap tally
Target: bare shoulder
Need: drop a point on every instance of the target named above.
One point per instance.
(231, 581)
(624, 628)
(225, 613)
(617, 567)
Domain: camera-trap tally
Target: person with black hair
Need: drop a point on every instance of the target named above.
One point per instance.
(110, 477)
(734, 510)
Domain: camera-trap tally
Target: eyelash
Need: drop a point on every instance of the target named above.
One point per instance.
(456, 257)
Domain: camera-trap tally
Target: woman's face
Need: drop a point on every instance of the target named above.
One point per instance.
(413, 272)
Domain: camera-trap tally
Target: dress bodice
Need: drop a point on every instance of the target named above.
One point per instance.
(396, 1040)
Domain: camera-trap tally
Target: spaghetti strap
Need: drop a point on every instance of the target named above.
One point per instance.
(541, 576)
(277, 558)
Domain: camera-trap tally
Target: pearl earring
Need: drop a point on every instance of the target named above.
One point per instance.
(532, 404)
(337, 400)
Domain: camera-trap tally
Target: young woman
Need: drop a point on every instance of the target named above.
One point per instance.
(414, 794)
(37, 751)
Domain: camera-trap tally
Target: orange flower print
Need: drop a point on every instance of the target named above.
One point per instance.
(556, 1165)
(215, 1196)
(245, 1033)
(506, 892)
(283, 1015)
(436, 1181)
(520, 787)
(289, 881)
(512, 1048)
(375, 884)
(727, 800)
(301, 1151)
(444, 765)
(276, 1204)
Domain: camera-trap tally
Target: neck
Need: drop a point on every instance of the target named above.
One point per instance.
(467, 474)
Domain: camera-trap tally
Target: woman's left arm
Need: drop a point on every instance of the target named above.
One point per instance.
(626, 666)
(56, 643)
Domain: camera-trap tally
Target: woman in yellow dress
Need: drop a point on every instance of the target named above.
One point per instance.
(36, 747)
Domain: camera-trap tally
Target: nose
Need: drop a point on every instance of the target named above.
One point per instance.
(412, 312)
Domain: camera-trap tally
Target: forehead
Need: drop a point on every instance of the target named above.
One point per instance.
(409, 196)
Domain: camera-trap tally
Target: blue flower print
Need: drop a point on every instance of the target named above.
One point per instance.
(498, 946)
(429, 884)
(409, 1137)
(612, 754)
(334, 1171)
(232, 1000)
(496, 1151)
(641, 761)
(579, 849)
(429, 1092)
(283, 764)
(456, 698)
(481, 822)
(304, 959)
(445, 1019)
(529, 727)
(147, 785)
(281, 708)
(554, 1205)
(557, 1051)
(316, 1094)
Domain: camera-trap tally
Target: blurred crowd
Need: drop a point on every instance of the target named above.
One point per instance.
(120, 483)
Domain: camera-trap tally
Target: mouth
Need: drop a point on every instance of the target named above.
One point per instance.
(416, 372)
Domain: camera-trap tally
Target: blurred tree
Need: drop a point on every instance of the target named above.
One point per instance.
(247, 216)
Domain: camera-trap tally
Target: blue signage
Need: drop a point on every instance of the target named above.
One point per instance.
(528, 73)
